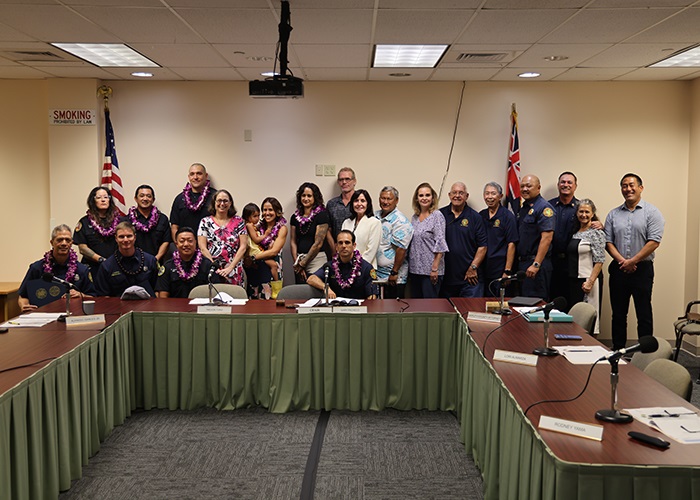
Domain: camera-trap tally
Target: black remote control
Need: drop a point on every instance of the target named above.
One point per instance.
(646, 438)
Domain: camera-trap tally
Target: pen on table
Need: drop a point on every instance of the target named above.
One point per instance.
(668, 415)
(579, 350)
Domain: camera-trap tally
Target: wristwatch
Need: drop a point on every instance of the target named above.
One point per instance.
(101, 259)
(536, 264)
(252, 257)
(393, 273)
(474, 267)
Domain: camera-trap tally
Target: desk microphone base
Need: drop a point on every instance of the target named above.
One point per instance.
(545, 351)
(613, 416)
(504, 312)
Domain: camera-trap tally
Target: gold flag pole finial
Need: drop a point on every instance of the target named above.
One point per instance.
(105, 92)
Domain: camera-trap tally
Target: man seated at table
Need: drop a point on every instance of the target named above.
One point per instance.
(128, 266)
(187, 269)
(349, 275)
(62, 262)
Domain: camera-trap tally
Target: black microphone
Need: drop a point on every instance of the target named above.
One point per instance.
(519, 276)
(51, 278)
(216, 265)
(558, 303)
(646, 344)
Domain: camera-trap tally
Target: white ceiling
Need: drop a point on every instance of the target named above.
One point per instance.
(334, 39)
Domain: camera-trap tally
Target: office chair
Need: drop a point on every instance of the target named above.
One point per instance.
(674, 376)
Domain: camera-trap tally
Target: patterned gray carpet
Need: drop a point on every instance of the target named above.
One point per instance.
(252, 454)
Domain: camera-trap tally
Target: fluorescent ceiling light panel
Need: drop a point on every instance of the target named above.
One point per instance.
(687, 59)
(407, 56)
(107, 54)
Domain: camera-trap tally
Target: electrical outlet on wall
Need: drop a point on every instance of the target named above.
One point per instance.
(329, 170)
(319, 170)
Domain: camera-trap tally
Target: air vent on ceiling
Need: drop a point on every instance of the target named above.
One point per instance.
(34, 55)
(480, 57)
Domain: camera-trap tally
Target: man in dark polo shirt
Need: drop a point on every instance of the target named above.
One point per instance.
(349, 276)
(152, 226)
(187, 269)
(466, 237)
(192, 205)
(536, 223)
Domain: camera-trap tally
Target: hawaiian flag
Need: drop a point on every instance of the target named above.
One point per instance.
(111, 178)
(513, 172)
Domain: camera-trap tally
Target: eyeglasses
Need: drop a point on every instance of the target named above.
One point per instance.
(345, 179)
(222, 202)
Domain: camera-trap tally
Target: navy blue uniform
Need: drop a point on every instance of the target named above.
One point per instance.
(535, 217)
(361, 288)
(151, 241)
(464, 235)
(111, 280)
(82, 278)
(169, 281)
(182, 216)
(103, 246)
(501, 229)
(566, 218)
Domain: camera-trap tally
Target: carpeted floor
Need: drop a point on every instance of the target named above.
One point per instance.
(253, 454)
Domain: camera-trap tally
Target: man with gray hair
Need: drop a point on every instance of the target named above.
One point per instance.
(397, 232)
(339, 207)
(62, 262)
(502, 237)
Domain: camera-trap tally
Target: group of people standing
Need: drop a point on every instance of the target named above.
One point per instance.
(450, 251)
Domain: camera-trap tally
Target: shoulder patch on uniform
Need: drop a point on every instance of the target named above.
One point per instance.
(78, 227)
(547, 212)
(465, 222)
(373, 274)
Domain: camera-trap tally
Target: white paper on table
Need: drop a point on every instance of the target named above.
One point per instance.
(316, 302)
(223, 297)
(684, 429)
(583, 354)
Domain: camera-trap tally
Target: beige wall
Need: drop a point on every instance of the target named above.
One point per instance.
(389, 133)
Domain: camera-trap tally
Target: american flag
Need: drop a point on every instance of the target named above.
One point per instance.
(111, 178)
(513, 172)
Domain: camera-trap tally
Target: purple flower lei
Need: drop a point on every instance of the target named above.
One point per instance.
(193, 207)
(356, 266)
(152, 220)
(102, 231)
(304, 220)
(72, 264)
(267, 240)
(193, 270)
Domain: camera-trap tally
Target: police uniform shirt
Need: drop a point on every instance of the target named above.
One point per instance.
(182, 216)
(501, 229)
(361, 288)
(566, 216)
(169, 280)
(102, 245)
(535, 217)
(464, 235)
(82, 278)
(151, 241)
(111, 280)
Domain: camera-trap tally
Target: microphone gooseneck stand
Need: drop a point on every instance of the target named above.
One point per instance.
(613, 414)
(546, 350)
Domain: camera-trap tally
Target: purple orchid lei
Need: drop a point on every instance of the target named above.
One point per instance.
(193, 270)
(193, 207)
(102, 231)
(304, 220)
(270, 238)
(152, 220)
(72, 264)
(356, 266)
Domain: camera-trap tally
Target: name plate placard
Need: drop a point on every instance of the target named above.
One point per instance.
(515, 357)
(350, 309)
(578, 429)
(487, 317)
(86, 322)
(309, 310)
(206, 309)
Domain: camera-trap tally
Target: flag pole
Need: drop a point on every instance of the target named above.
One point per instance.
(111, 175)
(105, 92)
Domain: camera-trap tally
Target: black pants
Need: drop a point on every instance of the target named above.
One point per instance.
(637, 285)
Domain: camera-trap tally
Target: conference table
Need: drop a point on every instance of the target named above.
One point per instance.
(414, 354)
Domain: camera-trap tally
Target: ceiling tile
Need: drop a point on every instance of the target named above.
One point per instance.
(511, 74)
(232, 26)
(140, 25)
(576, 53)
(464, 74)
(246, 56)
(158, 73)
(591, 74)
(683, 27)
(88, 71)
(631, 54)
(336, 74)
(333, 56)
(21, 72)
(658, 73)
(606, 25)
(10, 34)
(331, 26)
(503, 26)
(182, 55)
(223, 74)
(254, 73)
(53, 23)
(535, 4)
(414, 26)
(432, 5)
